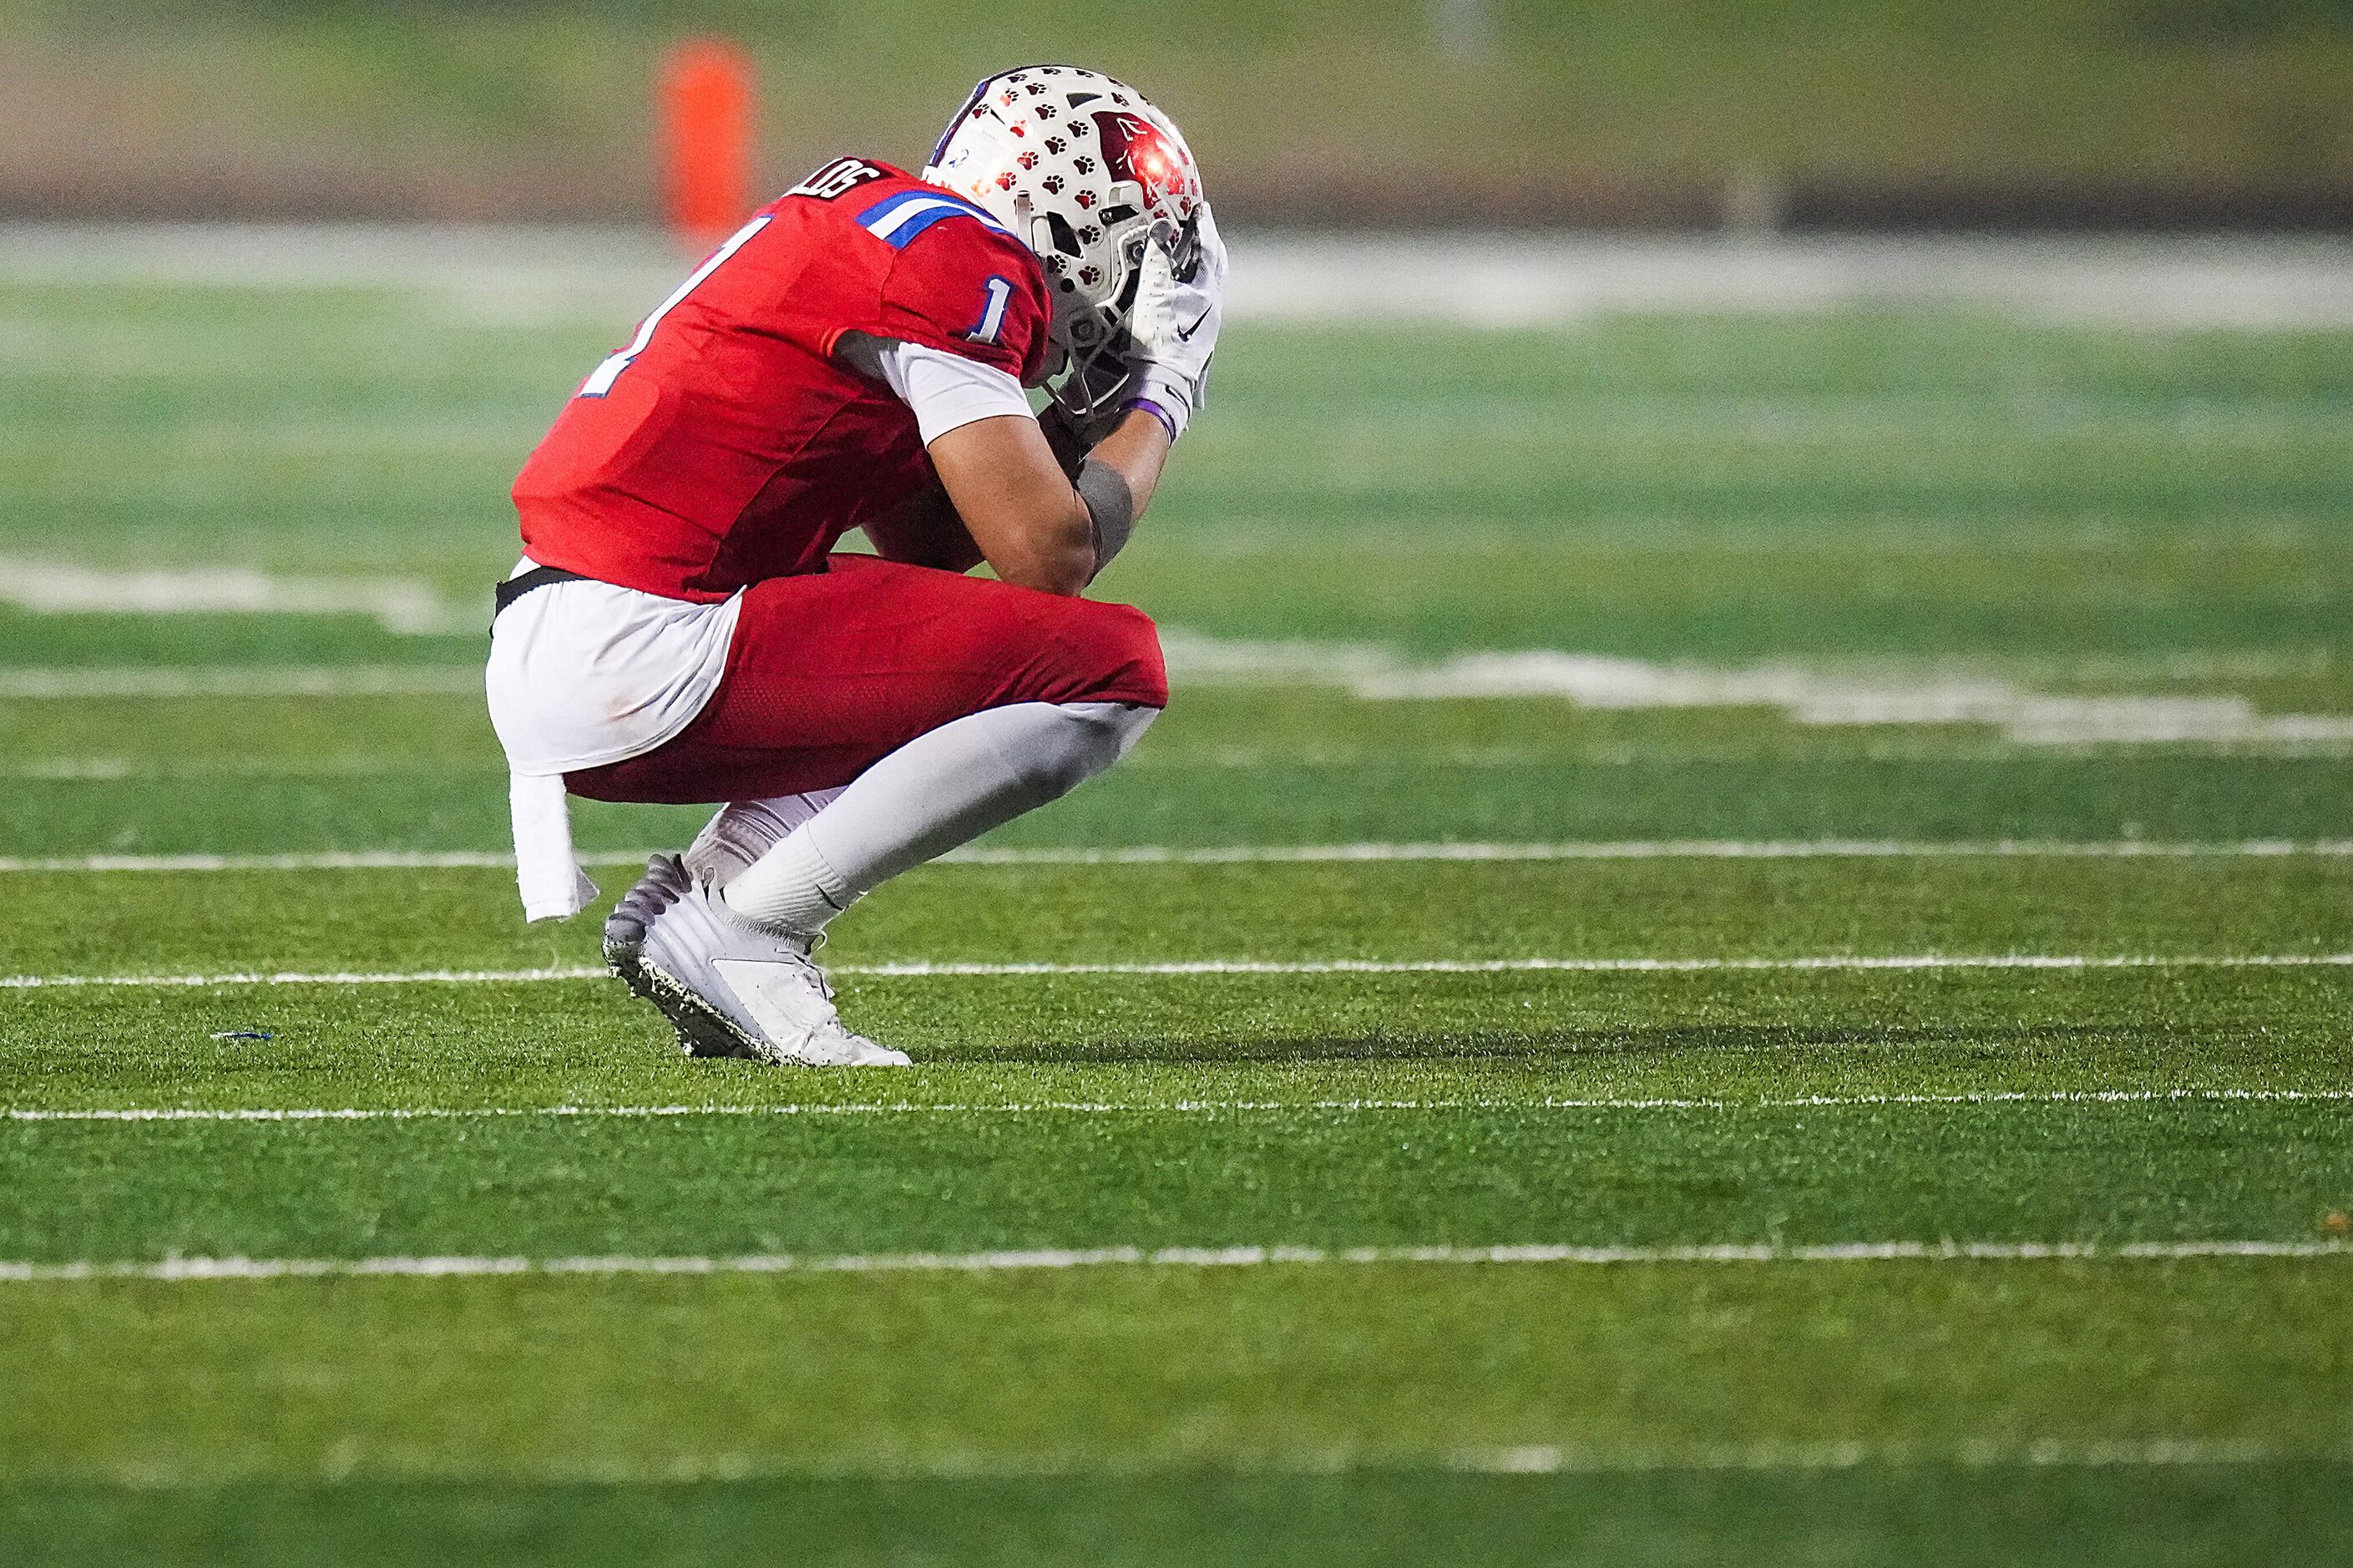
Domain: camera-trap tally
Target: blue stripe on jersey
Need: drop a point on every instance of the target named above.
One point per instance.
(895, 220)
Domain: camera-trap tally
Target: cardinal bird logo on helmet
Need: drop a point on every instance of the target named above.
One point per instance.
(1134, 149)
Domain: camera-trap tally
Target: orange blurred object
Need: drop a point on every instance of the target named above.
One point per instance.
(705, 110)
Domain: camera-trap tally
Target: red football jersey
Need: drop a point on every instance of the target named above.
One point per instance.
(725, 444)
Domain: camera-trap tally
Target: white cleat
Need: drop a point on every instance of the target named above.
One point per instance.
(625, 932)
(733, 988)
(625, 928)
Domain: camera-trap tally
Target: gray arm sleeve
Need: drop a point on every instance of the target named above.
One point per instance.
(1110, 504)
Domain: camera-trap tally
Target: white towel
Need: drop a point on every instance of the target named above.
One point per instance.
(554, 886)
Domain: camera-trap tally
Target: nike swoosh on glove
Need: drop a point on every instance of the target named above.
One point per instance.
(1180, 302)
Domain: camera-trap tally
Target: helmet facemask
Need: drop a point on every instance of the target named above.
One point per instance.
(1092, 343)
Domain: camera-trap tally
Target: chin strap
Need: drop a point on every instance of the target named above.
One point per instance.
(1095, 392)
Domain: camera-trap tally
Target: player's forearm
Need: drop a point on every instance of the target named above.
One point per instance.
(1017, 505)
(1136, 449)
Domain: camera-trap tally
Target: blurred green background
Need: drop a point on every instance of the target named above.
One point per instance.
(1632, 112)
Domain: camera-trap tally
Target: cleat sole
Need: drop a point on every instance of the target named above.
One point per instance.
(702, 1030)
(708, 1037)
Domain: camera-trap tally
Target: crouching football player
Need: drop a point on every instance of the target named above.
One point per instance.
(855, 356)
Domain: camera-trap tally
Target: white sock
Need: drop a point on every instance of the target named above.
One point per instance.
(795, 890)
(745, 830)
(939, 790)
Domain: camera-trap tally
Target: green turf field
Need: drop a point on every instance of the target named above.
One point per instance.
(1854, 1069)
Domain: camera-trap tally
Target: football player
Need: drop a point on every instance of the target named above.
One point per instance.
(681, 628)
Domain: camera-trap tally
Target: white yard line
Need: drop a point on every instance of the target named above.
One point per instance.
(917, 970)
(43, 683)
(1302, 1460)
(115, 768)
(293, 977)
(926, 969)
(1280, 854)
(1526, 1460)
(1493, 279)
(321, 861)
(459, 773)
(400, 605)
(1803, 692)
(1182, 1107)
(1194, 659)
(1547, 1459)
(179, 1270)
(724, 1465)
(1654, 849)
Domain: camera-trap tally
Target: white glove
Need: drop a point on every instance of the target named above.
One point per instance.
(1174, 323)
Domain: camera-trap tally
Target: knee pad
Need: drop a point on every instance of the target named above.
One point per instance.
(1114, 727)
(1116, 657)
(1057, 746)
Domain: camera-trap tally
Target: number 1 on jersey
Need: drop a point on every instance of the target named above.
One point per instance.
(992, 314)
(600, 380)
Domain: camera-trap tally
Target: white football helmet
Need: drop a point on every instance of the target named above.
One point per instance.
(1088, 173)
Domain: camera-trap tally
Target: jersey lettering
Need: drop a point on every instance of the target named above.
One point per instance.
(836, 179)
(600, 381)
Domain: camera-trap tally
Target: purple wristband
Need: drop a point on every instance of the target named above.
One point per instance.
(1167, 420)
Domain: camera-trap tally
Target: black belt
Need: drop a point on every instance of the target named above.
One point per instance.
(515, 588)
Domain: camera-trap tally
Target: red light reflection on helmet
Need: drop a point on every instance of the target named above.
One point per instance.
(1137, 149)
